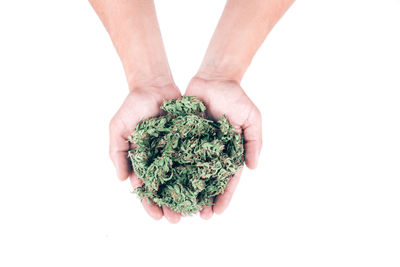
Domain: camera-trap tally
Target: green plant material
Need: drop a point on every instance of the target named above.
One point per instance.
(183, 158)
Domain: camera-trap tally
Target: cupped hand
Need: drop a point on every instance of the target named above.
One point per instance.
(226, 97)
(141, 103)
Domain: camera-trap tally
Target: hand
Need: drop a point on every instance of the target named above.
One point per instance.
(141, 103)
(227, 97)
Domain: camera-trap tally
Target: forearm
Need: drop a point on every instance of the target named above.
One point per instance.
(133, 28)
(241, 30)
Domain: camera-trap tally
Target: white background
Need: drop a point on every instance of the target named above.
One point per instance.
(326, 193)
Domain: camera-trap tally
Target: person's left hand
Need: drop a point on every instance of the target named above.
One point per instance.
(225, 97)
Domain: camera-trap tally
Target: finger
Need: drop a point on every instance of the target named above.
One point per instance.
(222, 201)
(253, 138)
(170, 215)
(206, 213)
(135, 181)
(119, 152)
(120, 161)
(152, 209)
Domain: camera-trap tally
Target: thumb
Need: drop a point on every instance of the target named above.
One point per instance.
(119, 152)
(253, 138)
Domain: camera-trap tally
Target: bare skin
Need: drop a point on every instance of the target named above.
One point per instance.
(133, 28)
(227, 97)
(141, 103)
(241, 30)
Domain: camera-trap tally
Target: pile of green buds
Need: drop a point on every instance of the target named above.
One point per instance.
(183, 158)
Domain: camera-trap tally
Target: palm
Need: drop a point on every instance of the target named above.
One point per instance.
(228, 98)
(140, 104)
(223, 98)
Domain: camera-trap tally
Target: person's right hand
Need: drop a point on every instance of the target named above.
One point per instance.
(141, 103)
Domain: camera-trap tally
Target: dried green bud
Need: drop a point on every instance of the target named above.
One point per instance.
(183, 158)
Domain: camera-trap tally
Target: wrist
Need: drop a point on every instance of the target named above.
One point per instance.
(160, 87)
(225, 68)
(151, 81)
